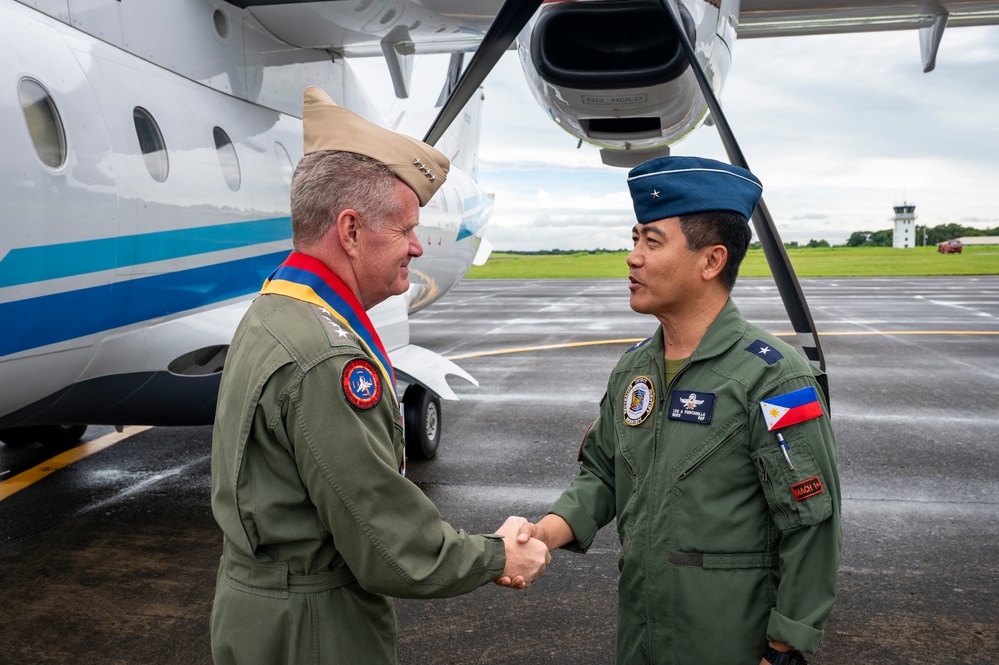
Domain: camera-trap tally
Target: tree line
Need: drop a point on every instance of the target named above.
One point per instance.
(883, 238)
(934, 235)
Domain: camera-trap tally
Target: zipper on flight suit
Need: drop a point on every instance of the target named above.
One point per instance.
(660, 369)
(706, 455)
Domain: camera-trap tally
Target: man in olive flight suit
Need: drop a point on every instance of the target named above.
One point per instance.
(713, 448)
(320, 527)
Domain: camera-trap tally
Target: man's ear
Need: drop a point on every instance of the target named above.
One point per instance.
(715, 258)
(348, 229)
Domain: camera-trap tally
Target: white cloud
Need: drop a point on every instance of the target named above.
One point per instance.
(839, 128)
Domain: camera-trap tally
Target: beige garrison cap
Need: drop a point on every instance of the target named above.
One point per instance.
(327, 126)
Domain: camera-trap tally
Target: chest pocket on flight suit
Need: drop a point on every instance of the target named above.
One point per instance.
(636, 414)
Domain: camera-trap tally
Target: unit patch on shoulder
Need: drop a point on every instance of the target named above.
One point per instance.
(361, 385)
(639, 399)
(806, 489)
(690, 406)
(764, 351)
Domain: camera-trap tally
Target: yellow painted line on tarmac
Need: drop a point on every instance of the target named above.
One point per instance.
(847, 333)
(636, 340)
(524, 349)
(24, 479)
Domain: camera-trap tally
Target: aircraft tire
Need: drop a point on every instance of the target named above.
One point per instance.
(47, 435)
(423, 422)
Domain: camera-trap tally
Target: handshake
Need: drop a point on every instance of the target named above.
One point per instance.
(527, 553)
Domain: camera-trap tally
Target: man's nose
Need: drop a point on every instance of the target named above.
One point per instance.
(415, 248)
(633, 259)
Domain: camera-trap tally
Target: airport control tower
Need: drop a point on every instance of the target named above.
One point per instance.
(905, 226)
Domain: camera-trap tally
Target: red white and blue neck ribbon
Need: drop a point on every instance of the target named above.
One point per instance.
(306, 278)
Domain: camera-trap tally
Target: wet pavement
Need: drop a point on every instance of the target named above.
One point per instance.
(112, 559)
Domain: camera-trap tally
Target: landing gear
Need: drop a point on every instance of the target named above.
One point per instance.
(47, 435)
(423, 422)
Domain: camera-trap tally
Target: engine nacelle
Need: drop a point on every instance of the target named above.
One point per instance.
(614, 74)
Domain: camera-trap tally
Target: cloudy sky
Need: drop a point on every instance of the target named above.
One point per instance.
(839, 128)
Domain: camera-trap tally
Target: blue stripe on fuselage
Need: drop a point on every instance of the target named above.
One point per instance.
(59, 317)
(25, 265)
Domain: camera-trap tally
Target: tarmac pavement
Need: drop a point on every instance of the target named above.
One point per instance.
(112, 559)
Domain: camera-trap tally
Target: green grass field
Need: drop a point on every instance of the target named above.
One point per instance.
(808, 262)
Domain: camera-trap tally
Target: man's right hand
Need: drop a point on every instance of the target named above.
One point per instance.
(525, 561)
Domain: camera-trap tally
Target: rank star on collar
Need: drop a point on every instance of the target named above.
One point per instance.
(341, 332)
(764, 352)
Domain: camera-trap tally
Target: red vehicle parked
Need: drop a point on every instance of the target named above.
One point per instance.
(950, 247)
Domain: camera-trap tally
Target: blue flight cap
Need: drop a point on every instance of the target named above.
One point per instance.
(673, 186)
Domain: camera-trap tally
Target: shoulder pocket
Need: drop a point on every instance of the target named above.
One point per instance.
(797, 497)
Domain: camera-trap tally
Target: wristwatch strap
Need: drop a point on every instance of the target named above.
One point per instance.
(775, 657)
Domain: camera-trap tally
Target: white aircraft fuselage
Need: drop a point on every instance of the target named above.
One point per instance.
(149, 154)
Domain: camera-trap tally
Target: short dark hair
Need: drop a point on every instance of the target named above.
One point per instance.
(719, 227)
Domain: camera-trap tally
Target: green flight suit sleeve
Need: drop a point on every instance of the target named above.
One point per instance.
(389, 533)
(805, 506)
(589, 502)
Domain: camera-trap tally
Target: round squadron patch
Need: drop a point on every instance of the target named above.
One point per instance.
(361, 384)
(639, 399)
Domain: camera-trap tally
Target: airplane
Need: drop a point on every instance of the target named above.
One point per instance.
(149, 154)
(151, 145)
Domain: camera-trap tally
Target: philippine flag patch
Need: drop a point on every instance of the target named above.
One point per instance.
(791, 408)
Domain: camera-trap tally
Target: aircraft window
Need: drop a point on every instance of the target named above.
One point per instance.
(227, 158)
(151, 143)
(221, 24)
(284, 165)
(44, 124)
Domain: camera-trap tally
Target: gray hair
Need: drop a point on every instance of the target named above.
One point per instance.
(327, 183)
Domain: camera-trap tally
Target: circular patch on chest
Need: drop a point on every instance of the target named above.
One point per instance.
(639, 399)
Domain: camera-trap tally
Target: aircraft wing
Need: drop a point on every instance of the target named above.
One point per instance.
(446, 26)
(774, 18)
(367, 29)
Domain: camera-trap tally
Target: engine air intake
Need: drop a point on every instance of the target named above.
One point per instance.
(609, 45)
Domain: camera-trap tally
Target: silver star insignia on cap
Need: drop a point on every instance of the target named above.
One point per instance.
(418, 164)
(655, 193)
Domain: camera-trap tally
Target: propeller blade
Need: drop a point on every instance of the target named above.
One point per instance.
(509, 21)
(773, 248)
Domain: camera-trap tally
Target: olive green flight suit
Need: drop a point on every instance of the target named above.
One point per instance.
(320, 527)
(718, 554)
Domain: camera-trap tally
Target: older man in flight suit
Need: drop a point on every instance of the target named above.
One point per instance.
(713, 448)
(320, 527)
